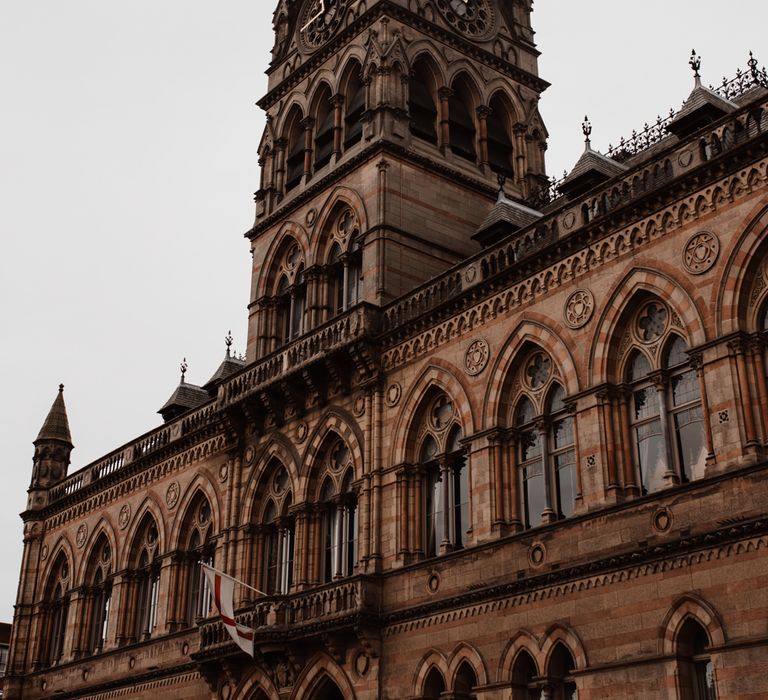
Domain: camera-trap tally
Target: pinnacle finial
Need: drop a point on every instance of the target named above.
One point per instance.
(752, 63)
(695, 64)
(61, 388)
(586, 128)
(228, 341)
(184, 367)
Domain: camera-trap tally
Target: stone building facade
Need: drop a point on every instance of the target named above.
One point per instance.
(494, 437)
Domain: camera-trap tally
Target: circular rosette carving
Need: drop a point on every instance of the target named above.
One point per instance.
(82, 536)
(172, 495)
(477, 356)
(125, 516)
(701, 252)
(394, 392)
(579, 309)
(474, 18)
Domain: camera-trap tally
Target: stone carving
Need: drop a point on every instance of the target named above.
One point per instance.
(394, 393)
(579, 309)
(302, 430)
(44, 552)
(359, 407)
(223, 472)
(172, 495)
(125, 516)
(701, 252)
(477, 356)
(82, 536)
(537, 554)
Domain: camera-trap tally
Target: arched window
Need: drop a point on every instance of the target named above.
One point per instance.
(461, 122)
(445, 485)
(295, 148)
(666, 418)
(421, 103)
(344, 269)
(100, 595)
(339, 517)
(324, 123)
(58, 610)
(546, 454)
(500, 155)
(524, 673)
(560, 676)
(434, 685)
(278, 536)
(696, 671)
(200, 550)
(146, 581)
(464, 683)
(354, 108)
(291, 296)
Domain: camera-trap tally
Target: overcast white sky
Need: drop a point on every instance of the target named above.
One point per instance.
(128, 161)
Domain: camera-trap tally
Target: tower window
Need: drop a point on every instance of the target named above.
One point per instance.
(353, 120)
(500, 156)
(461, 124)
(421, 105)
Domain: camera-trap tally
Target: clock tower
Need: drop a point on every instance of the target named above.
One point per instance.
(390, 124)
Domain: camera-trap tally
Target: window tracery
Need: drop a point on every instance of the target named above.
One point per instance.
(445, 479)
(146, 577)
(344, 267)
(545, 444)
(200, 549)
(57, 610)
(338, 502)
(277, 534)
(100, 594)
(291, 295)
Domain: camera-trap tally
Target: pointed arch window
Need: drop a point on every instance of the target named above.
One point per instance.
(200, 550)
(524, 673)
(500, 156)
(561, 684)
(339, 518)
(291, 302)
(546, 451)
(325, 127)
(101, 596)
(445, 481)
(421, 104)
(278, 541)
(355, 108)
(344, 270)
(696, 670)
(461, 123)
(667, 419)
(295, 149)
(147, 580)
(58, 611)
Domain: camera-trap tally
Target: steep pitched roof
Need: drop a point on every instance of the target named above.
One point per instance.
(702, 107)
(56, 426)
(184, 398)
(590, 170)
(507, 216)
(229, 366)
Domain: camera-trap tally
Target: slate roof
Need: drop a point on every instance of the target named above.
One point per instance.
(590, 170)
(702, 107)
(506, 216)
(185, 398)
(226, 369)
(56, 426)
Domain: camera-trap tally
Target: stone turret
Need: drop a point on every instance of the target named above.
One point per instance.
(53, 448)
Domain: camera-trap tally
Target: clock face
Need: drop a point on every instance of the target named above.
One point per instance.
(475, 18)
(321, 19)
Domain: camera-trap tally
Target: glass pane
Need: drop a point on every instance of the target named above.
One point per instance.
(685, 388)
(461, 503)
(689, 426)
(562, 433)
(651, 452)
(676, 353)
(530, 446)
(646, 403)
(638, 367)
(565, 472)
(533, 492)
(556, 399)
(525, 412)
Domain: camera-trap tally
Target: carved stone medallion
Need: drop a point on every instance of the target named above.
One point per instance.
(172, 495)
(359, 407)
(579, 308)
(477, 356)
(223, 472)
(44, 552)
(82, 536)
(302, 430)
(701, 252)
(393, 394)
(125, 516)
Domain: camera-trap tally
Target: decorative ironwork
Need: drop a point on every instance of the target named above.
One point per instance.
(183, 367)
(651, 134)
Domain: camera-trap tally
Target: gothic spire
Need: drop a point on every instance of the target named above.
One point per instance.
(56, 426)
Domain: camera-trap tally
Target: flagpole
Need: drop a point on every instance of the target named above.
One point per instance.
(232, 578)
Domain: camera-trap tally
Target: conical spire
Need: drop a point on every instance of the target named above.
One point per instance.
(56, 426)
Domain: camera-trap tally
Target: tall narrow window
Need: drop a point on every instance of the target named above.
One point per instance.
(200, 550)
(697, 673)
(147, 582)
(58, 611)
(355, 107)
(524, 675)
(686, 415)
(330, 531)
(336, 280)
(461, 123)
(277, 576)
(324, 121)
(563, 452)
(561, 667)
(349, 538)
(101, 595)
(531, 462)
(500, 154)
(445, 480)
(296, 147)
(421, 104)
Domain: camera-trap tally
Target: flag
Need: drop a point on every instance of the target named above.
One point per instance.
(223, 588)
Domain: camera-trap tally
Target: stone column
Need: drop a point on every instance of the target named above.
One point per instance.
(549, 515)
(631, 487)
(309, 130)
(745, 395)
(757, 347)
(697, 363)
(337, 103)
(444, 134)
(483, 112)
(515, 519)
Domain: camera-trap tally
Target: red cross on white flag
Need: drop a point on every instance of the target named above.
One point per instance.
(223, 588)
